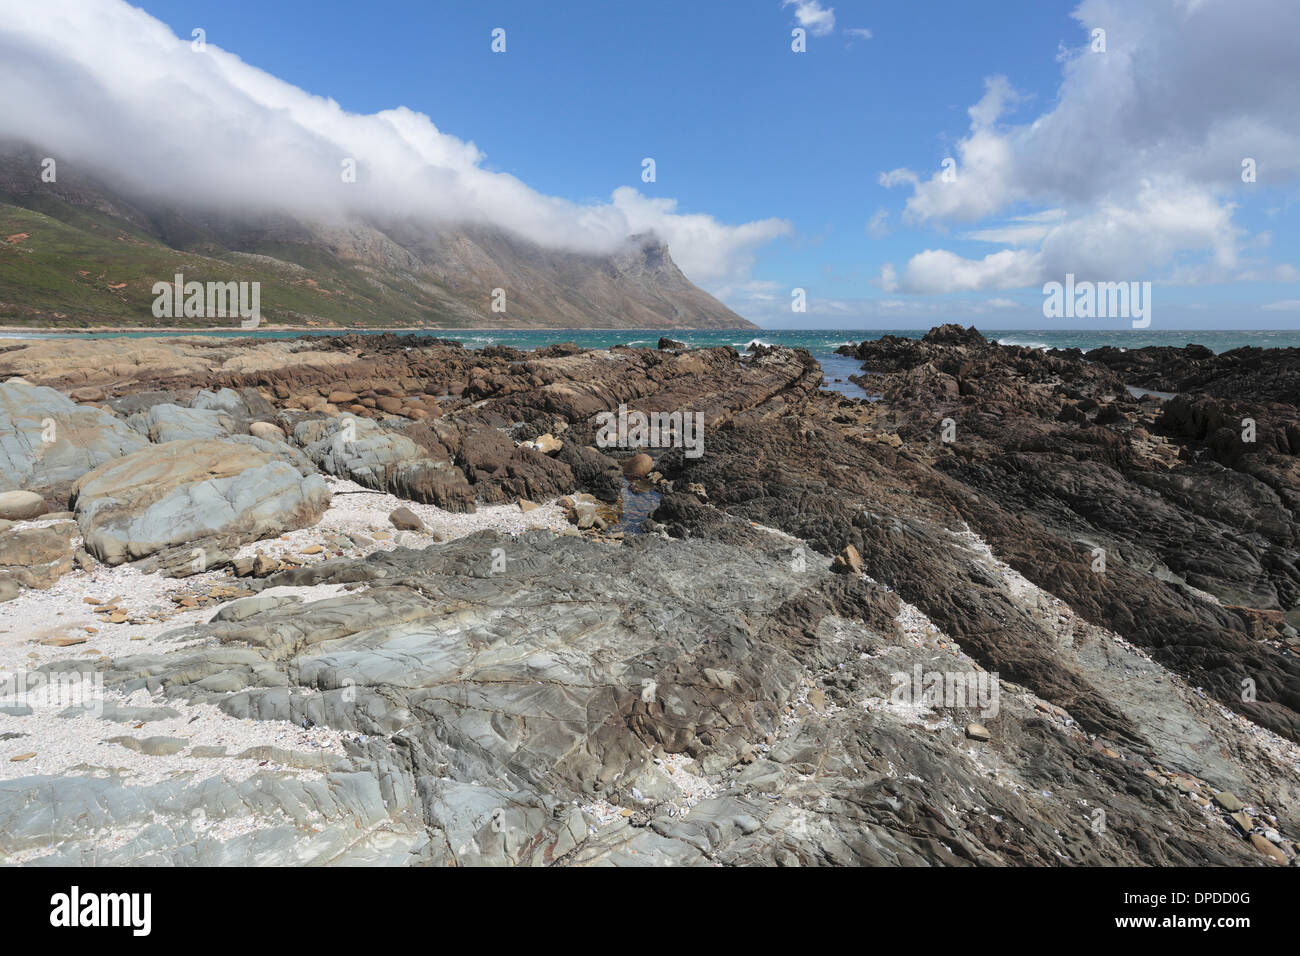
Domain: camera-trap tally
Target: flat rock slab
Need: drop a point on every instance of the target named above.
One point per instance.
(153, 746)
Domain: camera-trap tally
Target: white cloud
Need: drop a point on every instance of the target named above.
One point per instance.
(938, 270)
(861, 32)
(1142, 149)
(1286, 305)
(106, 84)
(812, 16)
(878, 224)
(1021, 235)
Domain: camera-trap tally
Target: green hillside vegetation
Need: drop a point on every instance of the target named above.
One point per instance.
(72, 266)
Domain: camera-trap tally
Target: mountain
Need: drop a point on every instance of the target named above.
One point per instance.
(84, 251)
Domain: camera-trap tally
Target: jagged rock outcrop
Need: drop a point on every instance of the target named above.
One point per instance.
(1091, 577)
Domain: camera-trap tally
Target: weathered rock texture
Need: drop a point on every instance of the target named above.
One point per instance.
(201, 493)
(724, 689)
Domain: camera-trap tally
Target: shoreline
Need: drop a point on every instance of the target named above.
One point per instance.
(344, 330)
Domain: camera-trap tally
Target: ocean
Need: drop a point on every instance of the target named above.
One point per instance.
(817, 341)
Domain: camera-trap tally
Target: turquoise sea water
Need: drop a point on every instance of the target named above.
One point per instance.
(817, 341)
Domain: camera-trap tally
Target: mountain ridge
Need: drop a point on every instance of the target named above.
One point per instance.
(83, 251)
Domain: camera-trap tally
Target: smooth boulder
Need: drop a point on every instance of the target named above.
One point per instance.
(206, 493)
(21, 505)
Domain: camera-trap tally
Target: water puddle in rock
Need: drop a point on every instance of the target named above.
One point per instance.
(639, 502)
(836, 370)
(1137, 392)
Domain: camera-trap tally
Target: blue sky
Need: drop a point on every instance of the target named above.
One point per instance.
(1130, 174)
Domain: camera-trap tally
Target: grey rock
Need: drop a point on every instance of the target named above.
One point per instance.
(245, 608)
(192, 492)
(153, 746)
(1228, 801)
(164, 423)
(373, 456)
(83, 437)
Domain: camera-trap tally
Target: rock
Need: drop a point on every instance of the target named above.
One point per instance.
(953, 334)
(1265, 848)
(8, 589)
(977, 732)
(37, 556)
(547, 444)
(200, 493)
(363, 451)
(88, 394)
(1228, 801)
(847, 561)
(246, 608)
(266, 431)
(264, 565)
(404, 519)
(243, 407)
(21, 505)
(48, 441)
(65, 641)
(667, 343)
(592, 471)
(153, 746)
(167, 422)
(699, 640)
(638, 466)
(526, 506)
